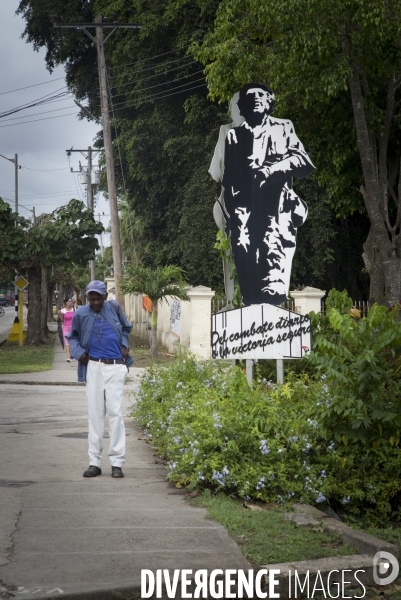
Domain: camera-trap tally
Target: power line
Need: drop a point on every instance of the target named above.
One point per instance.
(42, 100)
(36, 120)
(156, 97)
(36, 114)
(150, 58)
(31, 86)
(155, 66)
(48, 204)
(64, 193)
(77, 186)
(158, 85)
(45, 170)
(152, 76)
(162, 92)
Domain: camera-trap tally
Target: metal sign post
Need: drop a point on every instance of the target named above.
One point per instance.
(21, 284)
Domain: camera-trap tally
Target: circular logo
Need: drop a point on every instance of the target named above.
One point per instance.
(383, 574)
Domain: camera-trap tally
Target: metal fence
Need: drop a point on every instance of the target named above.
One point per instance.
(361, 305)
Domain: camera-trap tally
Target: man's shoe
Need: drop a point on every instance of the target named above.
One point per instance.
(92, 471)
(117, 472)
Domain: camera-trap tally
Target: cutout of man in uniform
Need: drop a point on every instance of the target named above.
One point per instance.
(261, 157)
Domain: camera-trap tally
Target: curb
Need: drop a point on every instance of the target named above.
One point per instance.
(346, 571)
(363, 542)
(123, 593)
(72, 383)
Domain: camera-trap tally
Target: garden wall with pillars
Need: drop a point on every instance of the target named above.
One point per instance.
(191, 320)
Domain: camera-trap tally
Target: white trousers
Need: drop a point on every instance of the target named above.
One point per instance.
(104, 393)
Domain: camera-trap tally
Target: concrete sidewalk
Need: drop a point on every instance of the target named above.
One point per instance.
(62, 534)
(62, 372)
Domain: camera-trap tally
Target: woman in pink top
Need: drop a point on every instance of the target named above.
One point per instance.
(66, 315)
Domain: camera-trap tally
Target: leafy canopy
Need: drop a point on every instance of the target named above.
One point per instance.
(155, 283)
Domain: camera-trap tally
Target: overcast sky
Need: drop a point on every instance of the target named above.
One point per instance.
(45, 179)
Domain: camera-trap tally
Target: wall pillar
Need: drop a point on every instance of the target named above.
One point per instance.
(200, 320)
(307, 300)
(111, 288)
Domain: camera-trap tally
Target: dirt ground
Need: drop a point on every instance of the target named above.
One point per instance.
(139, 350)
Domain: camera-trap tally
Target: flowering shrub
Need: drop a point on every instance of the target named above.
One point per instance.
(262, 442)
(360, 359)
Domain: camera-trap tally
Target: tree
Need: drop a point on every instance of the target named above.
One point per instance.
(157, 284)
(336, 68)
(63, 237)
(165, 128)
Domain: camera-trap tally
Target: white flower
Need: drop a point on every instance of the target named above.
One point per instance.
(260, 483)
(320, 497)
(219, 478)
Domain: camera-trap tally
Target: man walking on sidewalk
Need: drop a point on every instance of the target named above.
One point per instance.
(99, 341)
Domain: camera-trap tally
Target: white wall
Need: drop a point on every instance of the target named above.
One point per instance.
(195, 321)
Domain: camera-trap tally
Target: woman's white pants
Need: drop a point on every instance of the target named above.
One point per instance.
(104, 393)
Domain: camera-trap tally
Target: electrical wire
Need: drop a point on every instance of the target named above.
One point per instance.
(36, 120)
(41, 113)
(163, 91)
(42, 100)
(44, 170)
(154, 97)
(77, 186)
(150, 58)
(31, 86)
(158, 85)
(155, 66)
(153, 76)
(64, 193)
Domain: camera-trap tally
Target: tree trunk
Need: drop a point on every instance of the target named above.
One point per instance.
(60, 303)
(50, 293)
(381, 254)
(45, 300)
(34, 336)
(154, 331)
(373, 264)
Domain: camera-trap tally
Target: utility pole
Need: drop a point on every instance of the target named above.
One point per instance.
(101, 240)
(108, 148)
(16, 181)
(89, 190)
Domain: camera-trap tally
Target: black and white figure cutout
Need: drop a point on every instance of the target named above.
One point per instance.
(262, 212)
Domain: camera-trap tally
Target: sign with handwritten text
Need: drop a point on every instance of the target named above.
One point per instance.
(260, 331)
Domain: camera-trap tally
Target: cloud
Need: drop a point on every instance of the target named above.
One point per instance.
(40, 144)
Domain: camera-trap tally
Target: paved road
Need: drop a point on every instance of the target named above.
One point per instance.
(61, 534)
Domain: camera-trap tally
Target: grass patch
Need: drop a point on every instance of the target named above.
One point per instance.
(140, 351)
(26, 359)
(265, 537)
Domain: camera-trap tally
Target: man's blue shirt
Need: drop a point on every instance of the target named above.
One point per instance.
(80, 335)
(104, 342)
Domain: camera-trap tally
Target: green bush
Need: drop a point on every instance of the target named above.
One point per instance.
(360, 359)
(264, 442)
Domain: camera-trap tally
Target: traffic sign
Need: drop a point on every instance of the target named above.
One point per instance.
(21, 283)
